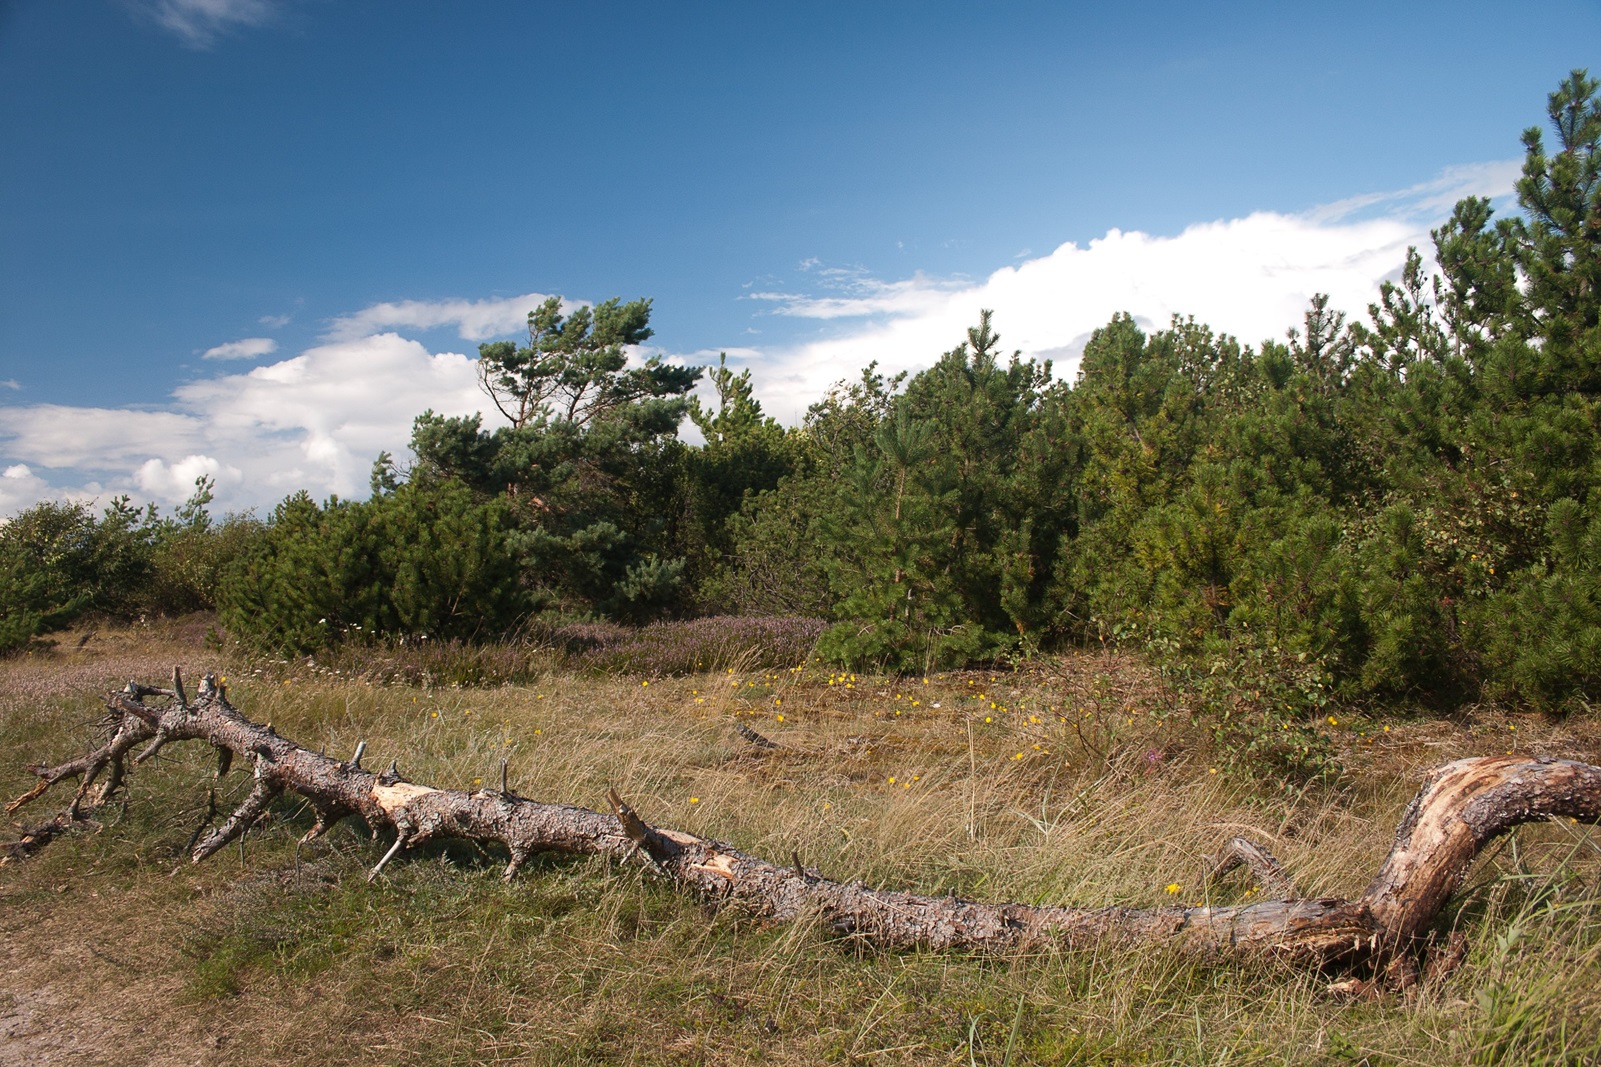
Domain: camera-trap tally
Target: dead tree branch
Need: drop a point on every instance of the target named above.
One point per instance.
(1460, 808)
(1270, 875)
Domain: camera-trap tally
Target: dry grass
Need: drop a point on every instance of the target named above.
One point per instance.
(1083, 783)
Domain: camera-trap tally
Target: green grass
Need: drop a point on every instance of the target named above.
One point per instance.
(263, 955)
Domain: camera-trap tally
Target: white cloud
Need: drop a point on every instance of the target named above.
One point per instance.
(274, 321)
(176, 481)
(313, 422)
(20, 488)
(1251, 277)
(59, 436)
(1432, 199)
(249, 348)
(854, 294)
(10, 383)
(199, 23)
(474, 320)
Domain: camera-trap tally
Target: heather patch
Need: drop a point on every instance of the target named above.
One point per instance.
(697, 645)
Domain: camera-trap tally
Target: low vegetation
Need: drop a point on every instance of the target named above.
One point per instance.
(1075, 779)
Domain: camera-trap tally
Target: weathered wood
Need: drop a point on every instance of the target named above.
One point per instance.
(1270, 875)
(1461, 807)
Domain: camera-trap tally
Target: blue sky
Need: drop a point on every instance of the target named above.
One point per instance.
(252, 238)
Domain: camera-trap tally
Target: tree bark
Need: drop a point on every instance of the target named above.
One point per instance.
(1461, 807)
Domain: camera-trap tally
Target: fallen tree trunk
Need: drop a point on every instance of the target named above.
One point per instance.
(1461, 807)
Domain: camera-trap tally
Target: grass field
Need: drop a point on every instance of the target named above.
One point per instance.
(1076, 779)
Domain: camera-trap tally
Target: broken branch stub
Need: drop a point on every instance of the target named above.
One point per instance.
(1461, 807)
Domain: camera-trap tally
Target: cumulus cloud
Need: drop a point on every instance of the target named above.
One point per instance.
(199, 23)
(1252, 277)
(248, 348)
(20, 487)
(313, 422)
(175, 481)
(63, 437)
(474, 320)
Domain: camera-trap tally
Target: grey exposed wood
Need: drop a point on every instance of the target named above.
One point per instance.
(759, 740)
(1461, 807)
(1270, 875)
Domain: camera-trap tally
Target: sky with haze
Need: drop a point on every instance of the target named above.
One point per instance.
(252, 239)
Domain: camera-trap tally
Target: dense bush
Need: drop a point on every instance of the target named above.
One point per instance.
(60, 562)
(1408, 503)
(421, 560)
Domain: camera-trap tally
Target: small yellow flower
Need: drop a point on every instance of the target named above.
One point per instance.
(988, 718)
(643, 684)
(892, 779)
(694, 800)
(780, 718)
(434, 715)
(1211, 770)
(1173, 888)
(1333, 721)
(478, 781)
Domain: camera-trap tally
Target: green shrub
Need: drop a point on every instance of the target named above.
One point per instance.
(421, 560)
